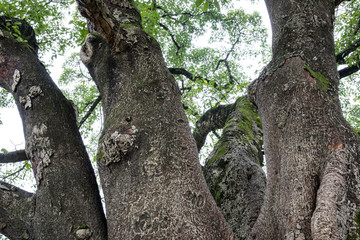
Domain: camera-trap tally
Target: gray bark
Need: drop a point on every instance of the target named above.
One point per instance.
(233, 170)
(311, 152)
(11, 157)
(149, 168)
(16, 211)
(67, 196)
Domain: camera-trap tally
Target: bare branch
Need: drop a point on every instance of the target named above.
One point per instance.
(16, 206)
(91, 110)
(349, 70)
(17, 172)
(12, 157)
(172, 37)
(189, 75)
(213, 119)
(340, 57)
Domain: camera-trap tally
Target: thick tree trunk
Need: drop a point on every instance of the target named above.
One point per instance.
(149, 169)
(67, 202)
(311, 152)
(233, 170)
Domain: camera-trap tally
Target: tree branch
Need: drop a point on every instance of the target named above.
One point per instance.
(340, 57)
(349, 70)
(16, 207)
(172, 37)
(213, 119)
(12, 157)
(91, 110)
(189, 75)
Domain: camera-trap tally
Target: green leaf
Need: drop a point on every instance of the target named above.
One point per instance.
(217, 5)
(206, 6)
(198, 2)
(4, 150)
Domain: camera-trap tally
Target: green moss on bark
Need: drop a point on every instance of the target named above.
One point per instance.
(322, 82)
(221, 151)
(356, 235)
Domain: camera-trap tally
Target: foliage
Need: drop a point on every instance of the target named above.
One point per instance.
(78, 87)
(48, 18)
(217, 61)
(347, 29)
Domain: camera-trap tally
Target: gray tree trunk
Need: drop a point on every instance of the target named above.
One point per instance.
(311, 151)
(148, 162)
(67, 200)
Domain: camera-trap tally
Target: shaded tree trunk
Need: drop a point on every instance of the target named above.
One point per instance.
(311, 151)
(148, 162)
(67, 197)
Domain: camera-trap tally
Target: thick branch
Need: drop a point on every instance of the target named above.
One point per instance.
(11, 157)
(233, 172)
(16, 207)
(213, 119)
(349, 70)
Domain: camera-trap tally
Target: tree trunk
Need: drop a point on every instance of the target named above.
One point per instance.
(311, 151)
(149, 168)
(233, 170)
(67, 201)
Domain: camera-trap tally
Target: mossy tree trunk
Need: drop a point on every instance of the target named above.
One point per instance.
(233, 170)
(311, 152)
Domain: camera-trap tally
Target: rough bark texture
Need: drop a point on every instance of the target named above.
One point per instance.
(16, 211)
(233, 172)
(311, 152)
(150, 173)
(67, 197)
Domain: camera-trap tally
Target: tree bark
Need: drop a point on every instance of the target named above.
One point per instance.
(311, 152)
(16, 211)
(148, 163)
(233, 170)
(67, 200)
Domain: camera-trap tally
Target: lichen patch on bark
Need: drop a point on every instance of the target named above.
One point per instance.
(39, 150)
(16, 79)
(34, 92)
(117, 145)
